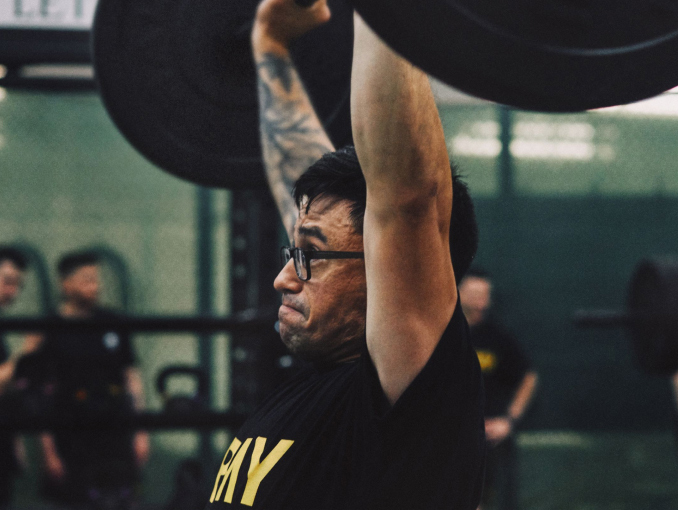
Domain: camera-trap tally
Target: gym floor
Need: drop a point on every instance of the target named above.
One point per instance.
(559, 470)
(598, 471)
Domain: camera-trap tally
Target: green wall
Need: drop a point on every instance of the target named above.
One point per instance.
(593, 193)
(69, 180)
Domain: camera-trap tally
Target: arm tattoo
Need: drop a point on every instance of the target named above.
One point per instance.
(292, 136)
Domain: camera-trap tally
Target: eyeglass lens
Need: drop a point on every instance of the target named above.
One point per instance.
(300, 264)
(299, 261)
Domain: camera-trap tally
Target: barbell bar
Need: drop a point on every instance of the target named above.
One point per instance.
(201, 420)
(244, 321)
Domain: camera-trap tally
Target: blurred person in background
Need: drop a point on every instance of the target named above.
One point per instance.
(13, 266)
(510, 383)
(94, 373)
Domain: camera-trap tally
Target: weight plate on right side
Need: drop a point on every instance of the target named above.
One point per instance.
(653, 301)
(552, 56)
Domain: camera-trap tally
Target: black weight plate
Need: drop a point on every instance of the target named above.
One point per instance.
(178, 80)
(653, 303)
(545, 55)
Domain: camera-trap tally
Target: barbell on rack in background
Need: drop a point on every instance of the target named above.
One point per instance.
(651, 316)
(28, 409)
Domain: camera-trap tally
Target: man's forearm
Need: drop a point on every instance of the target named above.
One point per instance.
(6, 374)
(135, 388)
(523, 396)
(292, 136)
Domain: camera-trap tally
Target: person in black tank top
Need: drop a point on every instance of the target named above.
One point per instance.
(388, 413)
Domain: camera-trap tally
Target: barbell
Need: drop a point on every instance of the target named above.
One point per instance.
(651, 316)
(178, 80)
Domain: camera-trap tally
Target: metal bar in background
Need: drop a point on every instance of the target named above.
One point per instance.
(205, 293)
(247, 321)
(621, 319)
(19, 46)
(255, 370)
(205, 420)
(505, 165)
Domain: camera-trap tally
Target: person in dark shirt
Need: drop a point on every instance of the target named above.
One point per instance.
(510, 383)
(388, 413)
(13, 265)
(94, 373)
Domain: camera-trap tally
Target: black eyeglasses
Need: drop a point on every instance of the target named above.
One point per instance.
(302, 258)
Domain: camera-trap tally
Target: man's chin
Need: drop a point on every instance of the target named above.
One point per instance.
(289, 338)
(295, 342)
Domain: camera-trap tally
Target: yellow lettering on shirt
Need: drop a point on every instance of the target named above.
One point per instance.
(229, 469)
(259, 470)
(488, 360)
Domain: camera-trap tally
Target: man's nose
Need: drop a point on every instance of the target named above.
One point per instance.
(287, 279)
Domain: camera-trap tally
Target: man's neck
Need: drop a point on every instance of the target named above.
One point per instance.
(474, 319)
(71, 309)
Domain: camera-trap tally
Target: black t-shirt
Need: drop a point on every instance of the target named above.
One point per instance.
(7, 460)
(330, 440)
(89, 364)
(503, 364)
(88, 369)
(4, 354)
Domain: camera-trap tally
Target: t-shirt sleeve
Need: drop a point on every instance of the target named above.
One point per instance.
(433, 436)
(125, 354)
(452, 374)
(515, 363)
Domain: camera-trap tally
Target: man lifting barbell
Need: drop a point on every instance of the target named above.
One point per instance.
(389, 414)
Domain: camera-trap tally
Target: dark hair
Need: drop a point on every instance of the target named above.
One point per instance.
(71, 262)
(338, 174)
(15, 256)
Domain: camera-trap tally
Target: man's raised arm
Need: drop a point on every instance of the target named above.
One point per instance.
(411, 292)
(292, 136)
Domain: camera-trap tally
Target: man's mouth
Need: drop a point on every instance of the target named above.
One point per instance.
(289, 306)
